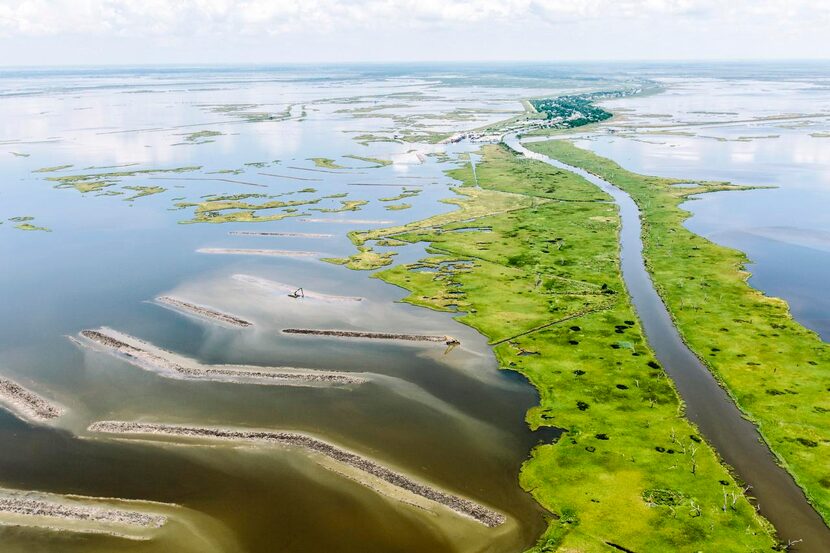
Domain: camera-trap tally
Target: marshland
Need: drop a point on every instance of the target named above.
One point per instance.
(450, 318)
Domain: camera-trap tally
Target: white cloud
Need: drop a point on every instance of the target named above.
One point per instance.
(45, 32)
(200, 17)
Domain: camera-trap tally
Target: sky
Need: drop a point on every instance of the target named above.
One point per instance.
(104, 32)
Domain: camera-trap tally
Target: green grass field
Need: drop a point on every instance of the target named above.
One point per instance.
(777, 371)
(531, 260)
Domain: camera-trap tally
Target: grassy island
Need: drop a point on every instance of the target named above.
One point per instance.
(531, 259)
(777, 371)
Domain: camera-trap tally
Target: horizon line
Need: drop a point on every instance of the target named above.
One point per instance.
(649, 61)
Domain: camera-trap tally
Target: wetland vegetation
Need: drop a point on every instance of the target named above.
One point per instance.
(542, 281)
(774, 368)
(568, 112)
(525, 254)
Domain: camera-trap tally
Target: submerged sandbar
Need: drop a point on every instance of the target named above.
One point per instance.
(274, 286)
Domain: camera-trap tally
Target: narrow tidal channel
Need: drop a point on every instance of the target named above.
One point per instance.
(735, 439)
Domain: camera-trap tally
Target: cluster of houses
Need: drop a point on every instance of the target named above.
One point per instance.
(563, 112)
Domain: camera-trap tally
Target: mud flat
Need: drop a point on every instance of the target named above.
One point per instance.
(372, 335)
(169, 364)
(280, 287)
(402, 483)
(242, 251)
(202, 311)
(26, 404)
(75, 514)
(282, 234)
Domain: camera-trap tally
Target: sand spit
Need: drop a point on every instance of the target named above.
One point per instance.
(167, 363)
(26, 404)
(457, 504)
(274, 253)
(373, 335)
(283, 234)
(346, 221)
(282, 288)
(203, 311)
(75, 514)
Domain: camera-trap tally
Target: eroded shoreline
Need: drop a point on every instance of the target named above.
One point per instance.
(459, 505)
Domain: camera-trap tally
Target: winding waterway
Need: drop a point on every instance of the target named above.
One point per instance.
(736, 439)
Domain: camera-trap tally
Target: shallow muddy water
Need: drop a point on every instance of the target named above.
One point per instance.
(450, 419)
(447, 418)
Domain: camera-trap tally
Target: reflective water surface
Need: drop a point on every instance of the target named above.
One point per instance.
(447, 418)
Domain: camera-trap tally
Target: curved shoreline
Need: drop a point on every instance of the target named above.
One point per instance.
(149, 357)
(459, 505)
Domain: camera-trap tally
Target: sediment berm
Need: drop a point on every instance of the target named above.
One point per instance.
(148, 356)
(203, 311)
(372, 335)
(23, 503)
(282, 234)
(243, 251)
(457, 504)
(25, 403)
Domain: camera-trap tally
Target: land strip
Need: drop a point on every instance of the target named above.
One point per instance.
(243, 251)
(459, 505)
(202, 311)
(629, 469)
(76, 514)
(371, 335)
(777, 371)
(169, 364)
(280, 234)
(26, 404)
